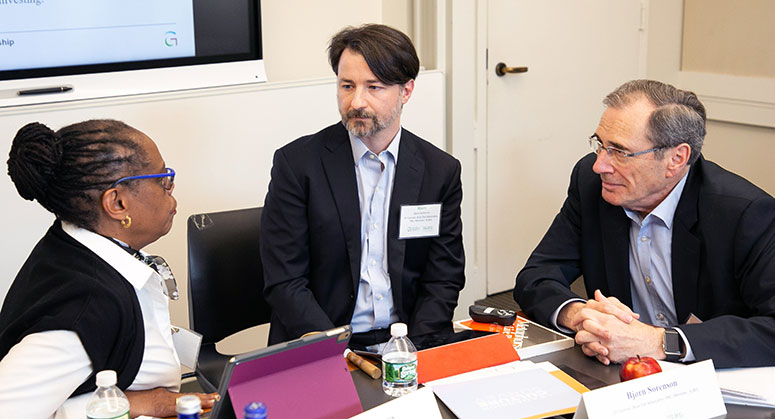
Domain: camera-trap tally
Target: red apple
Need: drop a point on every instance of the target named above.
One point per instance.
(638, 366)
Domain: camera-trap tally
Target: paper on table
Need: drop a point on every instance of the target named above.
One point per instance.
(529, 393)
(417, 404)
(510, 368)
(748, 386)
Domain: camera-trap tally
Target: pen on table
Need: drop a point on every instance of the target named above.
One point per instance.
(44, 90)
(363, 364)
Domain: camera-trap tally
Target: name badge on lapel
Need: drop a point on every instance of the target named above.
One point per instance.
(418, 221)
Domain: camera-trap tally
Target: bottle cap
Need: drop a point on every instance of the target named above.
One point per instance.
(256, 409)
(106, 378)
(398, 329)
(188, 404)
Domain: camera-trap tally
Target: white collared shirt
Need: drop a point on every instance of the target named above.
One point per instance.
(40, 372)
(374, 308)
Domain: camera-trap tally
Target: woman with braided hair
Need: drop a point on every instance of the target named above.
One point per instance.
(86, 300)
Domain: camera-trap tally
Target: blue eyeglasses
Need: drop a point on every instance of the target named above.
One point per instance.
(167, 178)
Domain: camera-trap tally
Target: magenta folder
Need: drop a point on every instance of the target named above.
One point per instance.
(303, 378)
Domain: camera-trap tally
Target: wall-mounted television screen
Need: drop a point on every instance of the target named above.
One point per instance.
(54, 50)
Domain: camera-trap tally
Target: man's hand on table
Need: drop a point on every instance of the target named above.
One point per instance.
(610, 331)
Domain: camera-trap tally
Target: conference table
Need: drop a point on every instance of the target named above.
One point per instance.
(586, 370)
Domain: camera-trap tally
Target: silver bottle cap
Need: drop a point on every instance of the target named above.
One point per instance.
(188, 404)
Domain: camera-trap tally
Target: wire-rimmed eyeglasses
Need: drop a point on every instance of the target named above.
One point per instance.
(167, 178)
(617, 155)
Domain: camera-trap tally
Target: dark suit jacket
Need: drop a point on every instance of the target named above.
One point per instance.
(723, 261)
(310, 236)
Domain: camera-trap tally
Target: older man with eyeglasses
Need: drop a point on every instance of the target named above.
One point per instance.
(680, 253)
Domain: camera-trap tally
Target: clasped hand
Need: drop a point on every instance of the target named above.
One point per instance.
(609, 330)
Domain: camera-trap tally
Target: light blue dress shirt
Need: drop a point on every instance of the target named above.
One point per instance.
(651, 273)
(374, 173)
(651, 279)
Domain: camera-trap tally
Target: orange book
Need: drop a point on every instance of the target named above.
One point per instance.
(528, 338)
(459, 357)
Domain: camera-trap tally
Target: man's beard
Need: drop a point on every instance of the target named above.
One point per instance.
(362, 129)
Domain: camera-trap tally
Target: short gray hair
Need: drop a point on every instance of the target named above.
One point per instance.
(679, 116)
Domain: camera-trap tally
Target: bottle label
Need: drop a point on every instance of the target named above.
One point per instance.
(400, 372)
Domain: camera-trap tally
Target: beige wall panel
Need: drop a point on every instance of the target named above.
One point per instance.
(743, 149)
(729, 37)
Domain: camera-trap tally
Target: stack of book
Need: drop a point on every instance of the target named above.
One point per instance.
(527, 337)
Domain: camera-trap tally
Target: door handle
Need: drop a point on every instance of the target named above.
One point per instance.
(501, 69)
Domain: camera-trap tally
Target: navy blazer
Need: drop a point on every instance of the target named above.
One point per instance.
(723, 261)
(310, 236)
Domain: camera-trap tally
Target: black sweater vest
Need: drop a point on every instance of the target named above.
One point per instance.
(65, 286)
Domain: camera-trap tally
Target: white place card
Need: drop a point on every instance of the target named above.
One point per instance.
(187, 344)
(418, 404)
(690, 392)
(418, 221)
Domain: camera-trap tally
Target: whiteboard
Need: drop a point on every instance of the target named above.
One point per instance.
(220, 141)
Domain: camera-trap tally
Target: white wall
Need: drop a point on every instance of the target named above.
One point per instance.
(296, 32)
(462, 57)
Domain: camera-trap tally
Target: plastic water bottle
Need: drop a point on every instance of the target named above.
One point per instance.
(399, 363)
(108, 401)
(188, 406)
(255, 410)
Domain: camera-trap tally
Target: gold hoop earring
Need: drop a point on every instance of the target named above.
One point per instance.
(126, 222)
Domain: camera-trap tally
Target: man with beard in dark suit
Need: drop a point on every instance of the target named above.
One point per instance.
(361, 224)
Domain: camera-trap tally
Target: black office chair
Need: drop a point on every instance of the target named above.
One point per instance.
(225, 283)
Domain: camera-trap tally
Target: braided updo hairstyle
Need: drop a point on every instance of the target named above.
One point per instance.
(68, 170)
